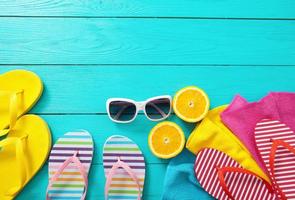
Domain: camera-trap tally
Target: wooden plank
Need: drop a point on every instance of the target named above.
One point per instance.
(146, 41)
(155, 174)
(154, 8)
(85, 89)
(101, 127)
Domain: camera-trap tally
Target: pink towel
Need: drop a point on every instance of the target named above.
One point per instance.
(241, 117)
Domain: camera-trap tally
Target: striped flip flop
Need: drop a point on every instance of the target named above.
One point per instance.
(275, 142)
(69, 163)
(225, 179)
(124, 168)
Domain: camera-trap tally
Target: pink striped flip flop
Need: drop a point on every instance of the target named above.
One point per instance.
(275, 142)
(124, 168)
(224, 178)
(69, 164)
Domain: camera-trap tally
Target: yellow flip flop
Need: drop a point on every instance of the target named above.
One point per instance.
(22, 153)
(19, 91)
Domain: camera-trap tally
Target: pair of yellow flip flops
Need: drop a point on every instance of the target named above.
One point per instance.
(25, 140)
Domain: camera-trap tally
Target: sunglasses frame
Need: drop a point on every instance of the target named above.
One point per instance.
(140, 105)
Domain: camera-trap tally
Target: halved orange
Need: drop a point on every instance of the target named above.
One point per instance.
(166, 140)
(191, 104)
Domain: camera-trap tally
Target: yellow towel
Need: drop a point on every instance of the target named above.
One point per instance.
(212, 133)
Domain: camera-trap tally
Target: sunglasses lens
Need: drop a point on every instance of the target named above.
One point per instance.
(158, 109)
(122, 110)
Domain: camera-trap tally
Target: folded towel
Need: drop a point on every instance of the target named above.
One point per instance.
(212, 133)
(180, 181)
(241, 117)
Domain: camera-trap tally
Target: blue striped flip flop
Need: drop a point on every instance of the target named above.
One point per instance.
(124, 168)
(69, 163)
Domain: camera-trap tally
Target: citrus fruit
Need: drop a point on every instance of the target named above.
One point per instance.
(166, 140)
(191, 104)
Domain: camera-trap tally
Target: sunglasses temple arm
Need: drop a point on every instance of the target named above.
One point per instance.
(158, 109)
(120, 112)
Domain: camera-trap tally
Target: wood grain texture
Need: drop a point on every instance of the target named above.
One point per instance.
(85, 89)
(151, 8)
(146, 41)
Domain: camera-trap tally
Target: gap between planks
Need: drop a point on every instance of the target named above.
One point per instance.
(150, 65)
(151, 17)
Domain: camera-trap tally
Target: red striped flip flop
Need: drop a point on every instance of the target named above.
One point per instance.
(224, 178)
(275, 142)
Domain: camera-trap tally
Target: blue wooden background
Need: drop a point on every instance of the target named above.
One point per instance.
(86, 51)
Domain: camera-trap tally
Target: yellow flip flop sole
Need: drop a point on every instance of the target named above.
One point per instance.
(22, 153)
(19, 91)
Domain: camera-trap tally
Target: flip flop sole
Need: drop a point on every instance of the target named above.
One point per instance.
(266, 131)
(241, 185)
(17, 80)
(123, 187)
(37, 142)
(70, 184)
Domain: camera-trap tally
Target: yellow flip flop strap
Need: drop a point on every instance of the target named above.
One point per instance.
(20, 159)
(13, 109)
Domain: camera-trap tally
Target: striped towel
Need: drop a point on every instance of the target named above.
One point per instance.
(123, 187)
(70, 184)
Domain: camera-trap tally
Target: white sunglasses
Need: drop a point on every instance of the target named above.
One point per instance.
(122, 110)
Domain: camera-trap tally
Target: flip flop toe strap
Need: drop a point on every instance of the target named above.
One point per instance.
(73, 159)
(14, 105)
(221, 176)
(274, 147)
(130, 172)
(20, 158)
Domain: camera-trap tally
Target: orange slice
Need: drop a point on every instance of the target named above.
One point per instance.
(166, 140)
(191, 104)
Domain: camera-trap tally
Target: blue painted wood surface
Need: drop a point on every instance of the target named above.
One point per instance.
(88, 51)
(270, 9)
(146, 41)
